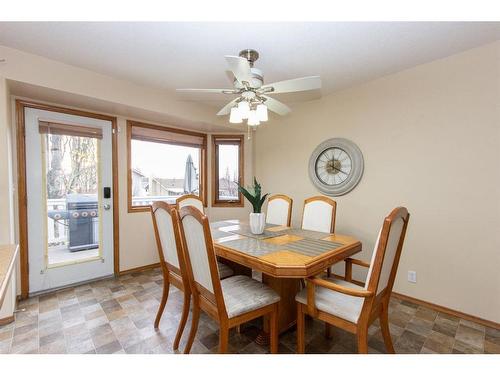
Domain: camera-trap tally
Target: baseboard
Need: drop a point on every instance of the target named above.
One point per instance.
(7, 320)
(139, 269)
(439, 308)
(448, 311)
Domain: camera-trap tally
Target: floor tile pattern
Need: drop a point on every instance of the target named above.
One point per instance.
(116, 316)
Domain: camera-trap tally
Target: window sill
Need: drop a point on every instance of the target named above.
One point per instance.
(133, 209)
(227, 204)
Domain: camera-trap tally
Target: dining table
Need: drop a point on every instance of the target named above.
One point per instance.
(283, 255)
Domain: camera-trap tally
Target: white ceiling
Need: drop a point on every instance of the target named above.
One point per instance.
(190, 55)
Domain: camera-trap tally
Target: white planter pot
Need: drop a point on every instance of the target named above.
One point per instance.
(257, 223)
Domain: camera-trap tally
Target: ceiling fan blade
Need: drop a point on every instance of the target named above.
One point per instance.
(293, 85)
(276, 106)
(230, 76)
(227, 108)
(215, 91)
(240, 68)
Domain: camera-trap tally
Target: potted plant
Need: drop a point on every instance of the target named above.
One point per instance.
(253, 195)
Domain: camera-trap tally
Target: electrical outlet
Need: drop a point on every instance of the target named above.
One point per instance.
(412, 276)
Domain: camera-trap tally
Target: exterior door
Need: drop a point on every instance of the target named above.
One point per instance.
(70, 207)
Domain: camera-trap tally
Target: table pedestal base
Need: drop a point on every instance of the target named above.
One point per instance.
(287, 308)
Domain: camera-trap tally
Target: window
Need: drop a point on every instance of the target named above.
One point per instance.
(163, 164)
(227, 170)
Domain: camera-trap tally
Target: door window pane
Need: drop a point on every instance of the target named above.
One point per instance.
(71, 172)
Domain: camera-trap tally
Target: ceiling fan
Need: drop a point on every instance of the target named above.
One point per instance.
(253, 99)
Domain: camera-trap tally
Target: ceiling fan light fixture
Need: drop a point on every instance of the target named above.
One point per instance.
(235, 116)
(262, 112)
(244, 109)
(252, 102)
(253, 118)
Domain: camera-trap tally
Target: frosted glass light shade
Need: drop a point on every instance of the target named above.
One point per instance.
(235, 116)
(253, 118)
(262, 112)
(244, 109)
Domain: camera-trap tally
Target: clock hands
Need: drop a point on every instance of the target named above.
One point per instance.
(340, 170)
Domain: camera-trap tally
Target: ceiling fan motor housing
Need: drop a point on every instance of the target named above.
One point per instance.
(257, 76)
(256, 82)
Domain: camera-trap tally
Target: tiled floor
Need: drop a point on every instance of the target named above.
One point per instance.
(116, 316)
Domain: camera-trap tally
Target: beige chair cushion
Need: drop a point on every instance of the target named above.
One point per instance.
(167, 236)
(317, 216)
(197, 250)
(197, 203)
(224, 271)
(243, 294)
(277, 211)
(335, 303)
(390, 254)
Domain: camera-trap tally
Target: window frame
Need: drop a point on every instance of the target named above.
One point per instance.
(227, 139)
(203, 161)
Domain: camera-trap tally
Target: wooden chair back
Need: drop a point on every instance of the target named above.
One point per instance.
(201, 261)
(189, 200)
(279, 210)
(385, 258)
(168, 239)
(319, 214)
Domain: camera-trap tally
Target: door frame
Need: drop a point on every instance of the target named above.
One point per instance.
(21, 104)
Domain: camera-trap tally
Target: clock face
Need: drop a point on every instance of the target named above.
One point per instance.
(333, 166)
(336, 166)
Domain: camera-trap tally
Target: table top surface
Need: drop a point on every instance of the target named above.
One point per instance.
(281, 251)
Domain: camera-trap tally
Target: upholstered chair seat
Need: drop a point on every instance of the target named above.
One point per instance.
(352, 307)
(243, 294)
(169, 244)
(339, 304)
(231, 301)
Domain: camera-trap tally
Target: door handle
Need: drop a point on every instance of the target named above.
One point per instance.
(106, 206)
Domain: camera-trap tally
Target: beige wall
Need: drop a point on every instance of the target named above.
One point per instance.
(430, 137)
(58, 83)
(35, 70)
(6, 201)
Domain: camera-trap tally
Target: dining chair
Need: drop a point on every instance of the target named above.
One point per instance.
(231, 301)
(352, 307)
(189, 200)
(168, 241)
(172, 263)
(319, 214)
(195, 201)
(279, 210)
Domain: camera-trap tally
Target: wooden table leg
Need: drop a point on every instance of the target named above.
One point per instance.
(287, 309)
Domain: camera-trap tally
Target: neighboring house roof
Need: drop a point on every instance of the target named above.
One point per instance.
(172, 184)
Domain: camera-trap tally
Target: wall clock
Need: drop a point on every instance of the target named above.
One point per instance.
(336, 166)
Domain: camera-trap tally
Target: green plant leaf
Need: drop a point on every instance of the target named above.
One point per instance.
(261, 202)
(253, 195)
